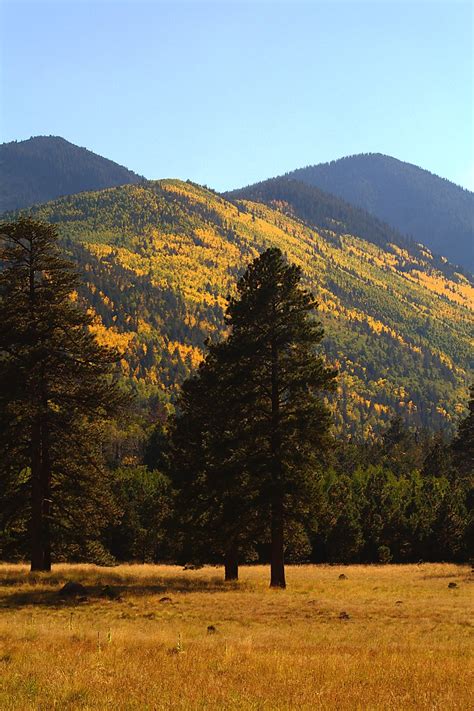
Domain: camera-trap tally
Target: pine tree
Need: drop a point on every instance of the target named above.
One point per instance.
(252, 425)
(280, 379)
(463, 456)
(463, 443)
(217, 511)
(55, 393)
(343, 531)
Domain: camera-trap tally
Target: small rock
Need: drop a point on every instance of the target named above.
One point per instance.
(72, 589)
(344, 616)
(83, 599)
(165, 599)
(110, 593)
(342, 577)
(211, 629)
(399, 602)
(452, 585)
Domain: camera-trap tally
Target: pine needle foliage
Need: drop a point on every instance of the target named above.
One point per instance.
(253, 422)
(56, 391)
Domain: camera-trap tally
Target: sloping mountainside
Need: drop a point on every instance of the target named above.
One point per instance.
(45, 167)
(430, 209)
(320, 209)
(159, 260)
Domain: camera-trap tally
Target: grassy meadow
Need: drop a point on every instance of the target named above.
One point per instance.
(168, 638)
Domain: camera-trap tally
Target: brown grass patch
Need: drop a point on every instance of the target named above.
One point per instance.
(406, 644)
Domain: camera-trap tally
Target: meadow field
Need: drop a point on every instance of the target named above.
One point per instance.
(160, 637)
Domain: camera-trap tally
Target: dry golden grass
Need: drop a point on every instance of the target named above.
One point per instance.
(406, 645)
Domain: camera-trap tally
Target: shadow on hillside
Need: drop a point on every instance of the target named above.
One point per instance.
(47, 593)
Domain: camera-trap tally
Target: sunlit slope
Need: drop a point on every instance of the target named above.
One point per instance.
(431, 209)
(160, 259)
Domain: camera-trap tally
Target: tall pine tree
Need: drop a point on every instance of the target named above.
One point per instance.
(463, 443)
(463, 456)
(55, 392)
(275, 340)
(218, 514)
(253, 423)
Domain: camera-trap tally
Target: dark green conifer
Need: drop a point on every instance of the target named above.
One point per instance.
(253, 424)
(463, 456)
(274, 339)
(463, 443)
(218, 516)
(55, 392)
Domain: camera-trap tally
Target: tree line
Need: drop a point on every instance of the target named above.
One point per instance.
(246, 469)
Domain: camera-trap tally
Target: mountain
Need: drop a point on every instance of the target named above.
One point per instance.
(320, 209)
(45, 167)
(428, 208)
(158, 260)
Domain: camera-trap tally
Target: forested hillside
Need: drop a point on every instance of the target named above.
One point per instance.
(321, 209)
(430, 209)
(45, 167)
(159, 259)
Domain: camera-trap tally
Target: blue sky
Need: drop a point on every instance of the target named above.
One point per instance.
(227, 93)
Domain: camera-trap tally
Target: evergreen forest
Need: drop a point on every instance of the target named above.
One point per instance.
(171, 392)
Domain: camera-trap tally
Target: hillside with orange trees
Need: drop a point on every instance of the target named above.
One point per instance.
(159, 260)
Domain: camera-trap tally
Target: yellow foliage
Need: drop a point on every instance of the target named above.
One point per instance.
(110, 337)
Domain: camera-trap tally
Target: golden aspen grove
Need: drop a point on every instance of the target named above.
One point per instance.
(159, 259)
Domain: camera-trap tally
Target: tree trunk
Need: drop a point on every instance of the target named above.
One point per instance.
(46, 536)
(46, 490)
(36, 522)
(231, 564)
(40, 493)
(277, 573)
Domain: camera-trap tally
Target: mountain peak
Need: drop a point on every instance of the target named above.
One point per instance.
(417, 203)
(42, 168)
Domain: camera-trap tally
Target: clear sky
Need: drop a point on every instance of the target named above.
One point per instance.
(226, 92)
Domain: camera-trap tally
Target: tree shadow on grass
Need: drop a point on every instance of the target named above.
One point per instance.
(47, 592)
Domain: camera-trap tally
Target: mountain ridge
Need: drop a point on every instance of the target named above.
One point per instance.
(378, 155)
(319, 208)
(43, 168)
(431, 209)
